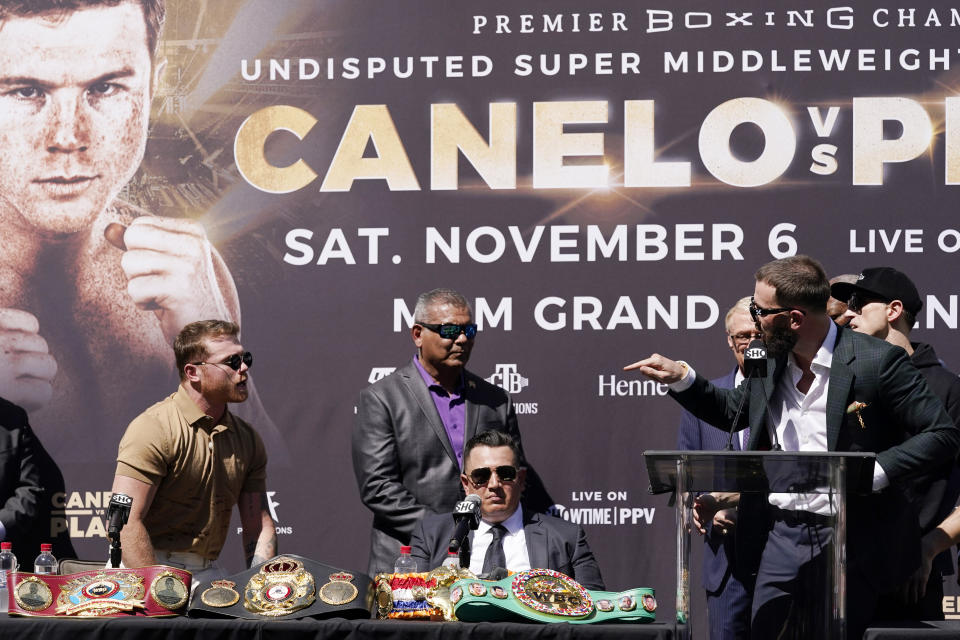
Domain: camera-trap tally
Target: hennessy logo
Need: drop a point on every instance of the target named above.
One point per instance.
(508, 378)
(379, 373)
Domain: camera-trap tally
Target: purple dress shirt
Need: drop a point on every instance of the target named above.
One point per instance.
(450, 406)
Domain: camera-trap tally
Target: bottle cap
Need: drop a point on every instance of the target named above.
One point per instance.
(405, 549)
(46, 547)
(6, 546)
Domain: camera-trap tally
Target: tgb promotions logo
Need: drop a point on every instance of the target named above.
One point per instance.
(282, 530)
(508, 378)
(379, 373)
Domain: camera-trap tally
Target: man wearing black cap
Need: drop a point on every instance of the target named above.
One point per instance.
(884, 303)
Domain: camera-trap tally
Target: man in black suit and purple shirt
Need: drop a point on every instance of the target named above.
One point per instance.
(411, 426)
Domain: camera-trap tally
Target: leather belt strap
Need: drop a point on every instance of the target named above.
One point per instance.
(548, 596)
(285, 587)
(153, 591)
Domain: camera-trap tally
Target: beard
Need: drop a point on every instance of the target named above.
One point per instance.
(779, 340)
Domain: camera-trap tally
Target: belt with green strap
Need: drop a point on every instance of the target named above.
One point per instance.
(548, 596)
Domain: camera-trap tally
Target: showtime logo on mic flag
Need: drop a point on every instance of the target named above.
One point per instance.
(755, 353)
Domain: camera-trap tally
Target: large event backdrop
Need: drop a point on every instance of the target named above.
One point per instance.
(624, 169)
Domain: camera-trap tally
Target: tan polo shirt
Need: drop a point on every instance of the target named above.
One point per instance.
(199, 468)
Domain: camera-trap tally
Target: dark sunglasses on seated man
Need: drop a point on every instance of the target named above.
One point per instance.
(234, 361)
(449, 331)
(481, 475)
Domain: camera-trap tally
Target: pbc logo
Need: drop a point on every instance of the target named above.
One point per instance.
(508, 378)
(379, 373)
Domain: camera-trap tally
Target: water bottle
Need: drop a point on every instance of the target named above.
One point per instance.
(45, 562)
(452, 561)
(8, 562)
(405, 564)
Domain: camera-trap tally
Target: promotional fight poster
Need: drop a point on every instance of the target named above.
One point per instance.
(600, 179)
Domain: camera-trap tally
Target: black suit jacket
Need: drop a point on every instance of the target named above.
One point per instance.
(21, 487)
(552, 543)
(403, 461)
(904, 423)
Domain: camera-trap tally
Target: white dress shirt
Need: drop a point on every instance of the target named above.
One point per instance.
(514, 544)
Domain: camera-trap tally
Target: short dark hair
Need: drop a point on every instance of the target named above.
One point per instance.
(189, 345)
(492, 438)
(153, 12)
(910, 318)
(799, 281)
(437, 297)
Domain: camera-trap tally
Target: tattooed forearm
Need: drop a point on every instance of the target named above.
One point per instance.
(259, 529)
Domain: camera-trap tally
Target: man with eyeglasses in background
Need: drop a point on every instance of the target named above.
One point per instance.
(187, 460)
(827, 389)
(509, 536)
(411, 426)
(726, 576)
(884, 303)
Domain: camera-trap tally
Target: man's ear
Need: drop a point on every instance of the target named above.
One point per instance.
(894, 311)
(415, 332)
(192, 372)
(796, 319)
(158, 68)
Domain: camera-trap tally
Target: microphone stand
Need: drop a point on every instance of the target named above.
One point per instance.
(755, 366)
(117, 514)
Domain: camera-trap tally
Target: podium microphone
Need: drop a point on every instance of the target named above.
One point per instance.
(118, 512)
(754, 366)
(755, 360)
(467, 516)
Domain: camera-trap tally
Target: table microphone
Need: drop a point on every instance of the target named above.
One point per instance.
(118, 512)
(467, 516)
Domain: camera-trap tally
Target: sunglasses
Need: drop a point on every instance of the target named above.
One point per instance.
(758, 312)
(234, 361)
(449, 331)
(481, 475)
(858, 301)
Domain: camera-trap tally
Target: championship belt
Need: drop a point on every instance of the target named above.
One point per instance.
(285, 587)
(153, 591)
(417, 596)
(548, 596)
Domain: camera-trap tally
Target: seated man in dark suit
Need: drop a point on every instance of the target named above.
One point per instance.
(28, 478)
(508, 536)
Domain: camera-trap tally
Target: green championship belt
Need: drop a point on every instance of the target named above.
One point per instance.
(548, 596)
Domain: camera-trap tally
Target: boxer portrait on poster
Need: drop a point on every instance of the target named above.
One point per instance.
(92, 289)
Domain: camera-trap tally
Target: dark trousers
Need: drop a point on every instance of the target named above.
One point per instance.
(793, 591)
(728, 610)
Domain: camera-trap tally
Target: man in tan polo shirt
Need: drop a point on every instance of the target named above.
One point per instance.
(187, 460)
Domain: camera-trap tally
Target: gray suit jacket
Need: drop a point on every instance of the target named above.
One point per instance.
(903, 422)
(552, 543)
(404, 463)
